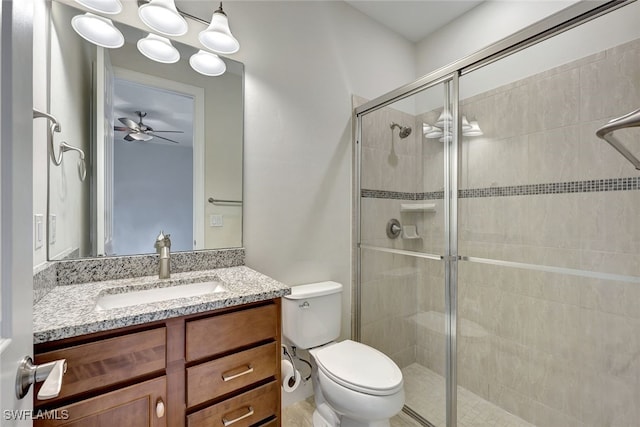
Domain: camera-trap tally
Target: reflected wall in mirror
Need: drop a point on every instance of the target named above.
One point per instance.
(161, 140)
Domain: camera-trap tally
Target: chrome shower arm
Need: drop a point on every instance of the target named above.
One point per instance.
(631, 119)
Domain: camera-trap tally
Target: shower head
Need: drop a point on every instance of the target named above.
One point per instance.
(405, 131)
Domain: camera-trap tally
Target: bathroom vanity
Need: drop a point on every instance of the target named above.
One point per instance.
(209, 360)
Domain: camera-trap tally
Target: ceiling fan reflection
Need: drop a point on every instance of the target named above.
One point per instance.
(141, 132)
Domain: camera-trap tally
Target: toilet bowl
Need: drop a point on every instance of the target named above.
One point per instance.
(354, 385)
(362, 385)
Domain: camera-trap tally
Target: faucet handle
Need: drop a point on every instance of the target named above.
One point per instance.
(160, 241)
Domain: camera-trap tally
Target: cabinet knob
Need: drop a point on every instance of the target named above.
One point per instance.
(160, 408)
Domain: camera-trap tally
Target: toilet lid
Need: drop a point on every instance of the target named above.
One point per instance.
(359, 367)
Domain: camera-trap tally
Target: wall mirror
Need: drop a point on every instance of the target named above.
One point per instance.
(181, 174)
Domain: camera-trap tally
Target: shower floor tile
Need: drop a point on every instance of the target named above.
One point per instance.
(425, 394)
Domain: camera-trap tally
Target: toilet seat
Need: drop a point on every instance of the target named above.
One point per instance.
(360, 368)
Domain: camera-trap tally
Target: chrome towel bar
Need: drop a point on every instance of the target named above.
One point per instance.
(631, 119)
(220, 201)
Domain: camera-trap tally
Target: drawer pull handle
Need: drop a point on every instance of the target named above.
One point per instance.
(228, 422)
(160, 408)
(232, 374)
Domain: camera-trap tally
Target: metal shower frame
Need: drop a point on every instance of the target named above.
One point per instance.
(449, 75)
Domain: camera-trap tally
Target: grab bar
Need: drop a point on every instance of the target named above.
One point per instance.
(57, 160)
(220, 201)
(631, 119)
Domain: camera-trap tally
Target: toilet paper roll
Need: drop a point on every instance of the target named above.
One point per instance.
(290, 376)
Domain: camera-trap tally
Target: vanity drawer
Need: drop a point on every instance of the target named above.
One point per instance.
(247, 409)
(110, 361)
(225, 332)
(221, 376)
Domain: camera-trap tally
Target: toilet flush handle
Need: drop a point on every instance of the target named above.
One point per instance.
(305, 305)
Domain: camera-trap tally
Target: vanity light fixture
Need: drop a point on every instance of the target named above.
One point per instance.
(159, 49)
(469, 128)
(474, 130)
(97, 30)
(110, 7)
(217, 37)
(207, 63)
(163, 17)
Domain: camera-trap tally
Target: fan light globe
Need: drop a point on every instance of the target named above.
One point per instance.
(217, 37)
(97, 30)
(141, 136)
(163, 17)
(159, 49)
(207, 63)
(110, 7)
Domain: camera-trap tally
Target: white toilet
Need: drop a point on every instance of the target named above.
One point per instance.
(354, 385)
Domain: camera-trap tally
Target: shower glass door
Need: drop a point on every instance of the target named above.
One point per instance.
(403, 242)
(549, 280)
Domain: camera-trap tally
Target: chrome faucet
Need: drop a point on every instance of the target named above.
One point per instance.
(163, 247)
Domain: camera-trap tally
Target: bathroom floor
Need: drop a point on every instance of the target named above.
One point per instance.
(300, 415)
(425, 394)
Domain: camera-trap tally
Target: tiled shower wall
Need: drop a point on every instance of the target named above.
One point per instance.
(556, 349)
(559, 349)
(389, 291)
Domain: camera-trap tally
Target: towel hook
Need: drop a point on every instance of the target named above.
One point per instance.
(57, 160)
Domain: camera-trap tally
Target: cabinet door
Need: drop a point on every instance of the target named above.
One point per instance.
(141, 405)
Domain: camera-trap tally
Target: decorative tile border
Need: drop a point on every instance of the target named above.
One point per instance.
(589, 186)
(88, 270)
(381, 194)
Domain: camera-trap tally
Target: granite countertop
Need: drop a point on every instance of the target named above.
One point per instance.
(69, 311)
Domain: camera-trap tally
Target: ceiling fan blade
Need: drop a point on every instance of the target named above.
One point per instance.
(129, 123)
(166, 139)
(121, 128)
(170, 131)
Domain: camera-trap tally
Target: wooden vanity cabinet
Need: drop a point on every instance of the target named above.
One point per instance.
(216, 368)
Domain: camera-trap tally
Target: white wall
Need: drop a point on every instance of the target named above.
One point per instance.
(480, 27)
(40, 126)
(142, 173)
(70, 103)
(303, 61)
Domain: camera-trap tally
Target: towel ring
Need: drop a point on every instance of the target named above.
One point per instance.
(64, 147)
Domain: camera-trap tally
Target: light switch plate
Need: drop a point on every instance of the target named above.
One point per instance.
(216, 220)
(38, 230)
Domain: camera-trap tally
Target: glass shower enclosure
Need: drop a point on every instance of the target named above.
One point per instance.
(497, 240)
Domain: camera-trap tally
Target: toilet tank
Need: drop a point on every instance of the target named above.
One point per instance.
(312, 314)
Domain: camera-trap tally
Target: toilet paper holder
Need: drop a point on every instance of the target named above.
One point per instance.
(291, 356)
(285, 350)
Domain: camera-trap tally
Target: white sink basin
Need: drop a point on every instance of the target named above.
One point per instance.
(127, 299)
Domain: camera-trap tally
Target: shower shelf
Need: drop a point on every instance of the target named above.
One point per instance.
(417, 207)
